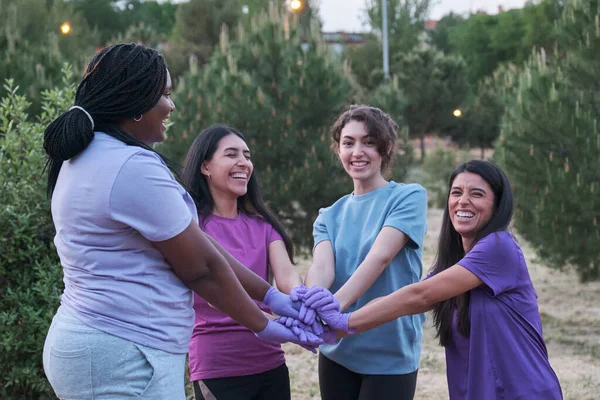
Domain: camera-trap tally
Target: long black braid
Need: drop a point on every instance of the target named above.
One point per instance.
(121, 82)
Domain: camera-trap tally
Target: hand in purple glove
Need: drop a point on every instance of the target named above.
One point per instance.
(280, 303)
(335, 319)
(278, 333)
(318, 297)
(316, 327)
(329, 336)
(298, 292)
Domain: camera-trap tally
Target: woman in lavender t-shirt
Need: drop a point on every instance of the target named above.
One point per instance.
(483, 301)
(227, 360)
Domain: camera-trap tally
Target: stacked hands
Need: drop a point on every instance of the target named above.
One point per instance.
(308, 317)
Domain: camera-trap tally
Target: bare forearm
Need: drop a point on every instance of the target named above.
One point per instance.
(255, 286)
(319, 277)
(406, 301)
(288, 281)
(366, 274)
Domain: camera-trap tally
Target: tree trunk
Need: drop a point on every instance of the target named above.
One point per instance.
(422, 140)
(482, 152)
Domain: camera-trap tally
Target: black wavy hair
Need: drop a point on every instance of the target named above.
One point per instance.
(450, 247)
(203, 148)
(121, 82)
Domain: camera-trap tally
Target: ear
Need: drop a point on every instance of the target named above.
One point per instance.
(204, 170)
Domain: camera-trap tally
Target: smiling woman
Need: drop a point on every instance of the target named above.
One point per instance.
(227, 361)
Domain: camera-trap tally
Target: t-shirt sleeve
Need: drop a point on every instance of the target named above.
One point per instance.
(495, 260)
(273, 235)
(146, 197)
(409, 215)
(320, 233)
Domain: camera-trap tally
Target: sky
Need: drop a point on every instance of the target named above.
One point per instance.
(346, 15)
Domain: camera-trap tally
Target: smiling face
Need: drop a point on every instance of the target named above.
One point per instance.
(229, 169)
(151, 128)
(358, 152)
(470, 205)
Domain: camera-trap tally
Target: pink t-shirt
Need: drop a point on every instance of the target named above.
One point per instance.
(220, 347)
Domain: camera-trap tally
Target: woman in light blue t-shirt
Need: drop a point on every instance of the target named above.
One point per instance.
(368, 244)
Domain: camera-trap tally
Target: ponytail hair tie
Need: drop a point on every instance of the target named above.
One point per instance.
(86, 114)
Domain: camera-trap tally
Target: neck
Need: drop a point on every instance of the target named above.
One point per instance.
(225, 204)
(366, 186)
(467, 242)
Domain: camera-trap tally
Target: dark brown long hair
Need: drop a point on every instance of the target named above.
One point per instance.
(450, 248)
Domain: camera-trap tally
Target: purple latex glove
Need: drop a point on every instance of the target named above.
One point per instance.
(318, 297)
(316, 327)
(280, 303)
(329, 336)
(335, 319)
(300, 330)
(275, 332)
(307, 314)
(298, 292)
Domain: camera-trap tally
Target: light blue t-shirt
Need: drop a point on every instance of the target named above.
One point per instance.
(110, 203)
(352, 224)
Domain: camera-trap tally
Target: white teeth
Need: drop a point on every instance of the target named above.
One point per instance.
(239, 176)
(359, 163)
(464, 214)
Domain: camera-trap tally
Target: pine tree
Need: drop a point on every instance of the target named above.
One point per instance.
(283, 93)
(550, 143)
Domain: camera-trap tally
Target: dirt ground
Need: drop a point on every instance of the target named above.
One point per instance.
(571, 321)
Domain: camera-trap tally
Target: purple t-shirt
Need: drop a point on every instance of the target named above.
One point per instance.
(110, 203)
(220, 347)
(505, 356)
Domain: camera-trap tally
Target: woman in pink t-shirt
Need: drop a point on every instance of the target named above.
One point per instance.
(227, 361)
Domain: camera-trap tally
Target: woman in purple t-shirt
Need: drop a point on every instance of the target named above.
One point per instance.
(227, 361)
(483, 301)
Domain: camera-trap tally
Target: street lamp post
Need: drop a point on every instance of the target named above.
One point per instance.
(384, 29)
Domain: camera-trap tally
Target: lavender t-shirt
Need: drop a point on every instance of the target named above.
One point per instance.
(110, 203)
(505, 356)
(220, 347)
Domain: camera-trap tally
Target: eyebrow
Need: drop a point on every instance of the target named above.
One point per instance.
(472, 190)
(236, 149)
(367, 136)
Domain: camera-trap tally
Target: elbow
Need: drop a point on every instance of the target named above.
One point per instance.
(421, 299)
(195, 275)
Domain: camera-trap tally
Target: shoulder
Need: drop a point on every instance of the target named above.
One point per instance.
(501, 245)
(254, 220)
(404, 190)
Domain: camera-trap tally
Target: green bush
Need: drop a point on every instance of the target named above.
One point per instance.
(31, 275)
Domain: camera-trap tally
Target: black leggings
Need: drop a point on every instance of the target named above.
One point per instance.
(270, 385)
(339, 383)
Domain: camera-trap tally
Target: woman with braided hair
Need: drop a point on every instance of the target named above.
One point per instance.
(129, 242)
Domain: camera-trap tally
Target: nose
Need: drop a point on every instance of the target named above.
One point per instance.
(243, 162)
(357, 149)
(463, 199)
(172, 104)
